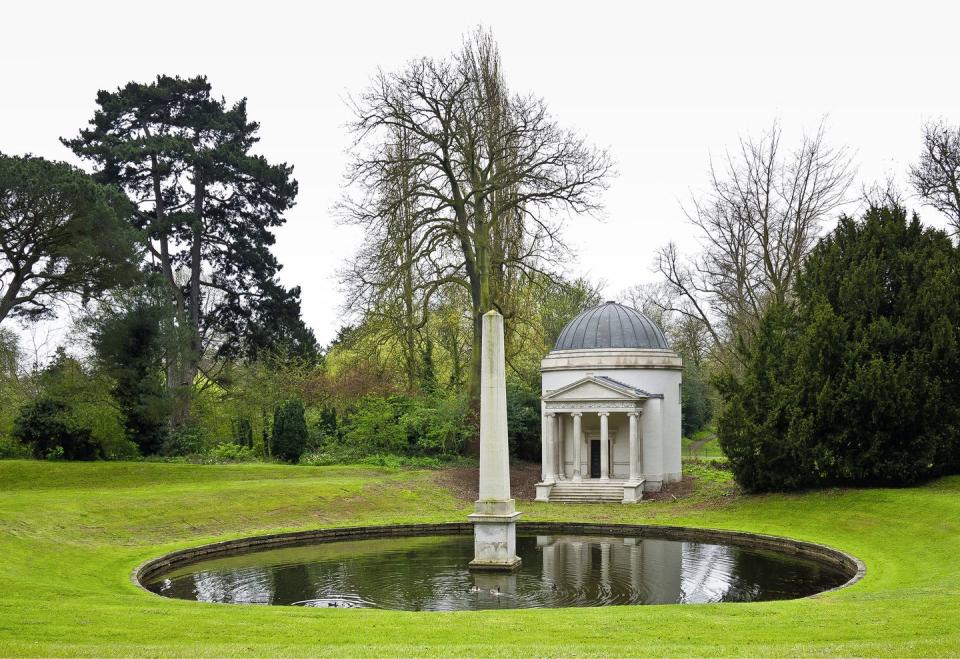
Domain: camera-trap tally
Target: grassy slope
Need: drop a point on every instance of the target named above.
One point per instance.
(702, 445)
(70, 535)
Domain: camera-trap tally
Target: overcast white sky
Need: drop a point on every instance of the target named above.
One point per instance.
(662, 85)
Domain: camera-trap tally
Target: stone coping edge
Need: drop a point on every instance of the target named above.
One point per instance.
(847, 563)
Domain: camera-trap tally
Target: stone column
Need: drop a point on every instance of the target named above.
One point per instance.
(577, 445)
(556, 439)
(604, 446)
(558, 442)
(494, 522)
(652, 445)
(549, 454)
(633, 488)
(543, 442)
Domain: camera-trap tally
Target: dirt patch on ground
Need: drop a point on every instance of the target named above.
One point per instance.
(464, 482)
(673, 491)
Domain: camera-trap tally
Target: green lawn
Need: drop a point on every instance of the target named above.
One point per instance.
(70, 535)
(702, 445)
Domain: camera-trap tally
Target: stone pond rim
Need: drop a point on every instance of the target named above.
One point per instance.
(851, 566)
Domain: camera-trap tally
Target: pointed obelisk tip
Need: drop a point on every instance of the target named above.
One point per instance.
(492, 312)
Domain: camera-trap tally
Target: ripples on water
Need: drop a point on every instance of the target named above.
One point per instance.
(429, 573)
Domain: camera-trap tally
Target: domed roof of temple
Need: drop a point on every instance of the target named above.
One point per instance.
(611, 325)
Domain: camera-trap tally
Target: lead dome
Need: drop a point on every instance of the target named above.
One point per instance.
(611, 325)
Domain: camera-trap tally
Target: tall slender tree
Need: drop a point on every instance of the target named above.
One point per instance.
(205, 202)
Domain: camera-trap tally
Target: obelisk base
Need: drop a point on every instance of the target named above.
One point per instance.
(495, 536)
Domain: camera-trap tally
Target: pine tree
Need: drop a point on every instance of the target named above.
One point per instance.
(206, 205)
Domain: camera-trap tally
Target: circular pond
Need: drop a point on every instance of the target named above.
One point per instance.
(563, 566)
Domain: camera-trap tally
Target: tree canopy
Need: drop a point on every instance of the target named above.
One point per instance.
(858, 379)
(61, 234)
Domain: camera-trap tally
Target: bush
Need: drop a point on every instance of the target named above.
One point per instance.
(696, 407)
(289, 431)
(373, 426)
(11, 449)
(47, 427)
(402, 425)
(338, 455)
(130, 347)
(227, 453)
(523, 422)
(859, 380)
(435, 426)
(186, 440)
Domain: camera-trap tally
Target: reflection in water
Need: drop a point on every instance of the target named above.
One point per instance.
(430, 573)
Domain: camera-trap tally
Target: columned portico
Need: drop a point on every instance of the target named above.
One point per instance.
(603, 445)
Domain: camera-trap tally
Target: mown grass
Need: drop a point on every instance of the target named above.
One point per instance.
(70, 535)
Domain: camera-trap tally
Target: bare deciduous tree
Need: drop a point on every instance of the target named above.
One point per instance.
(486, 172)
(759, 219)
(936, 177)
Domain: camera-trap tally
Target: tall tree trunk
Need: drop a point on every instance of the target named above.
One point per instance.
(174, 360)
(190, 363)
(481, 302)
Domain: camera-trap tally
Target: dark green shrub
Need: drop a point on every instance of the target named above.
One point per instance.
(696, 408)
(859, 380)
(436, 425)
(47, 427)
(242, 432)
(403, 425)
(130, 347)
(229, 453)
(523, 422)
(186, 440)
(373, 425)
(289, 431)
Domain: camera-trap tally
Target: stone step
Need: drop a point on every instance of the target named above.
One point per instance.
(590, 483)
(618, 492)
(587, 488)
(587, 491)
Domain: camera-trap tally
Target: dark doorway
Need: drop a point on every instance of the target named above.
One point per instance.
(594, 458)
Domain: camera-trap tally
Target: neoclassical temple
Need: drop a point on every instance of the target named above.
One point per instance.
(610, 409)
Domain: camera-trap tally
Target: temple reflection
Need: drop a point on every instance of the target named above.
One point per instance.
(614, 570)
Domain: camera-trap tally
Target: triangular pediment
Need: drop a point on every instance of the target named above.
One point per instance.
(595, 388)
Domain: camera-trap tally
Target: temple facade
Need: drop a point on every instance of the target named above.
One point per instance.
(610, 409)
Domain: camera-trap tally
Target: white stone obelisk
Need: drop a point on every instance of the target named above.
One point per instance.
(495, 519)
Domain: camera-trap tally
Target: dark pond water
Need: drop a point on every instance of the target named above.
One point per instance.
(429, 573)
